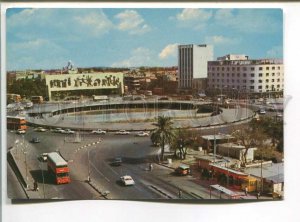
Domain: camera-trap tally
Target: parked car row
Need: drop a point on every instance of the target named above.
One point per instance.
(63, 131)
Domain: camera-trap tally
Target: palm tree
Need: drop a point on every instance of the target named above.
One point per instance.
(163, 134)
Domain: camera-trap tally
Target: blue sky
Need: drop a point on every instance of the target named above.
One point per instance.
(48, 38)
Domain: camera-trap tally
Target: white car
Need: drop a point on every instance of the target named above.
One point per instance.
(68, 131)
(122, 132)
(40, 129)
(21, 131)
(58, 130)
(99, 131)
(262, 111)
(127, 180)
(44, 157)
(142, 134)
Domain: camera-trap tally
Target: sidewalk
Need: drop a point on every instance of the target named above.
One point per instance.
(203, 190)
(26, 179)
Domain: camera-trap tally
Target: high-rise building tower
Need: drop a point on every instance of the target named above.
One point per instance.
(192, 66)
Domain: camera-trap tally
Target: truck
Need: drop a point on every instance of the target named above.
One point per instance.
(58, 168)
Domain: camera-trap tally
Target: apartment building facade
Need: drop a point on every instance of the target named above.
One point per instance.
(239, 73)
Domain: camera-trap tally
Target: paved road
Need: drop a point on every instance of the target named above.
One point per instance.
(14, 188)
(135, 151)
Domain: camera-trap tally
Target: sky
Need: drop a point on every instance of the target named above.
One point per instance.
(49, 38)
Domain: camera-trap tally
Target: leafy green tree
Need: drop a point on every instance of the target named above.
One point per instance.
(163, 134)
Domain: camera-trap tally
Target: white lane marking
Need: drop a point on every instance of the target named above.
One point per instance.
(99, 172)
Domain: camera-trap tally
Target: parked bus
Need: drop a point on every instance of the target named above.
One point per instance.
(16, 123)
(37, 99)
(58, 167)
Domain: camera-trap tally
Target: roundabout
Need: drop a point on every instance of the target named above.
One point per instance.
(133, 115)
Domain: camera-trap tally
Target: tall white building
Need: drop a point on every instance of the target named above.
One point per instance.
(240, 73)
(192, 65)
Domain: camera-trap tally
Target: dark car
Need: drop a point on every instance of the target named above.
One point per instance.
(117, 162)
(183, 170)
(35, 140)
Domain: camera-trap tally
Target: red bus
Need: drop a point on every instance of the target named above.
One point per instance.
(58, 167)
(16, 122)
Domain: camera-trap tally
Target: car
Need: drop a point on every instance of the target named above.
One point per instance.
(99, 131)
(21, 131)
(262, 111)
(68, 131)
(58, 130)
(43, 157)
(35, 140)
(117, 161)
(122, 132)
(183, 170)
(127, 180)
(40, 129)
(142, 134)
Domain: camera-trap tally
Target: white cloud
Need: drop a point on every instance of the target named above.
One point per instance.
(193, 14)
(169, 51)
(275, 52)
(139, 57)
(192, 18)
(131, 21)
(219, 40)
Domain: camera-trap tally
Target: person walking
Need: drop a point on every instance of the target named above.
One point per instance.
(258, 195)
(35, 186)
(179, 194)
(246, 191)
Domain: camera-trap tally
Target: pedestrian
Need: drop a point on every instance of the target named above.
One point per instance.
(246, 191)
(258, 195)
(179, 194)
(35, 186)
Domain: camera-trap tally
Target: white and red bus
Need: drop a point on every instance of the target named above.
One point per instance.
(16, 123)
(58, 167)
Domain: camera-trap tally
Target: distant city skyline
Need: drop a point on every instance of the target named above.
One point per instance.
(48, 38)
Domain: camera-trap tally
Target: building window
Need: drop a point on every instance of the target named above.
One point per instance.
(233, 68)
(222, 74)
(217, 68)
(245, 74)
(260, 68)
(223, 68)
(227, 68)
(273, 74)
(213, 68)
(238, 75)
(252, 74)
(273, 80)
(260, 81)
(278, 67)
(260, 74)
(244, 81)
(252, 81)
(245, 68)
(267, 74)
(227, 74)
(268, 68)
(227, 80)
(213, 74)
(273, 67)
(222, 80)
(252, 68)
(278, 86)
(259, 87)
(238, 80)
(238, 68)
(232, 74)
(267, 80)
(232, 80)
(217, 80)
(278, 80)
(278, 74)
(213, 80)
(251, 87)
(218, 74)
